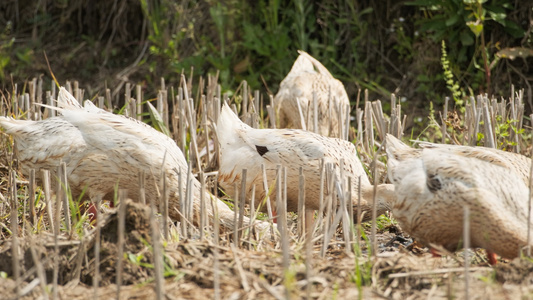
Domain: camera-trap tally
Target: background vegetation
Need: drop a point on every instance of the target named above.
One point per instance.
(382, 46)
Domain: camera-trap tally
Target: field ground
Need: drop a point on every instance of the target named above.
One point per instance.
(398, 272)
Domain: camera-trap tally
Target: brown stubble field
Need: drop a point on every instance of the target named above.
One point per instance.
(38, 263)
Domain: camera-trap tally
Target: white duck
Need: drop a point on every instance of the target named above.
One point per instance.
(101, 149)
(308, 75)
(434, 183)
(243, 147)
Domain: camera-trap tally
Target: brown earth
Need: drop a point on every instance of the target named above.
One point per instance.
(398, 272)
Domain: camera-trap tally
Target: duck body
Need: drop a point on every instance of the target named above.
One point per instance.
(102, 150)
(308, 75)
(434, 183)
(515, 162)
(243, 147)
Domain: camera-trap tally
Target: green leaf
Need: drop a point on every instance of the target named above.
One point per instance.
(157, 120)
(466, 38)
(423, 78)
(366, 11)
(424, 3)
(132, 257)
(480, 136)
(475, 27)
(498, 17)
(513, 29)
(452, 20)
(437, 23)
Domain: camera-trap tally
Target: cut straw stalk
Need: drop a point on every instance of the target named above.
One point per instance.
(14, 233)
(253, 216)
(374, 207)
(318, 223)
(466, 238)
(63, 190)
(120, 244)
(31, 197)
(282, 224)
(529, 204)
(268, 203)
(301, 204)
(203, 216)
(157, 252)
(242, 201)
(358, 238)
(96, 277)
(236, 204)
(216, 262)
(57, 218)
(443, 126)
(437, 271)
(183, 205)
(164, 201)
(138, 89)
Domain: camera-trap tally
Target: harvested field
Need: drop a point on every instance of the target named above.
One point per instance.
(84, 260)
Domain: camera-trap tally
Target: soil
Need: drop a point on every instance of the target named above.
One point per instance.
(402, 269)
(519, 271)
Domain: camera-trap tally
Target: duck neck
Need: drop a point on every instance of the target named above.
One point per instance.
(384, 196)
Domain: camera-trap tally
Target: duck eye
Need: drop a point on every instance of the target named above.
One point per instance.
(261, 150)
(434, 184)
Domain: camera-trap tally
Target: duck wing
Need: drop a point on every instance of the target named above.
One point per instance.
(513, 161)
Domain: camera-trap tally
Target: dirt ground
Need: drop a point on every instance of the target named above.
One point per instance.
(401, 270)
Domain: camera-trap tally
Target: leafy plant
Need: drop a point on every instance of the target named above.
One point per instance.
(502, 131)
(268, 41)
(362, 275)
(451, 84)
(157, 120)
(5, 58)
(141, 261)
(464, 24)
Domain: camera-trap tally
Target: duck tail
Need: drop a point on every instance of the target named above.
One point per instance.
(393, 144)
(227, 118)
(13, 126)
(302, 64)
(228, 123)
(398, 151)
(308, 62)
(66, 101)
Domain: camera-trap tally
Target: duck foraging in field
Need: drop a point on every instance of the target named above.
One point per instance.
(295, 93)
(434, 183)
(101, 150)
(243, 147)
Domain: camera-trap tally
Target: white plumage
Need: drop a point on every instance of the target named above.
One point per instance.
(102, 149)
(308, 75)
(243, 147)
(434, 183)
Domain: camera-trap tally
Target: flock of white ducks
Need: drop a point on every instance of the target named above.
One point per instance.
(429, 186)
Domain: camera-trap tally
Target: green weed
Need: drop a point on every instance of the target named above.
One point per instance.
(464, 25)
(451, 84)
